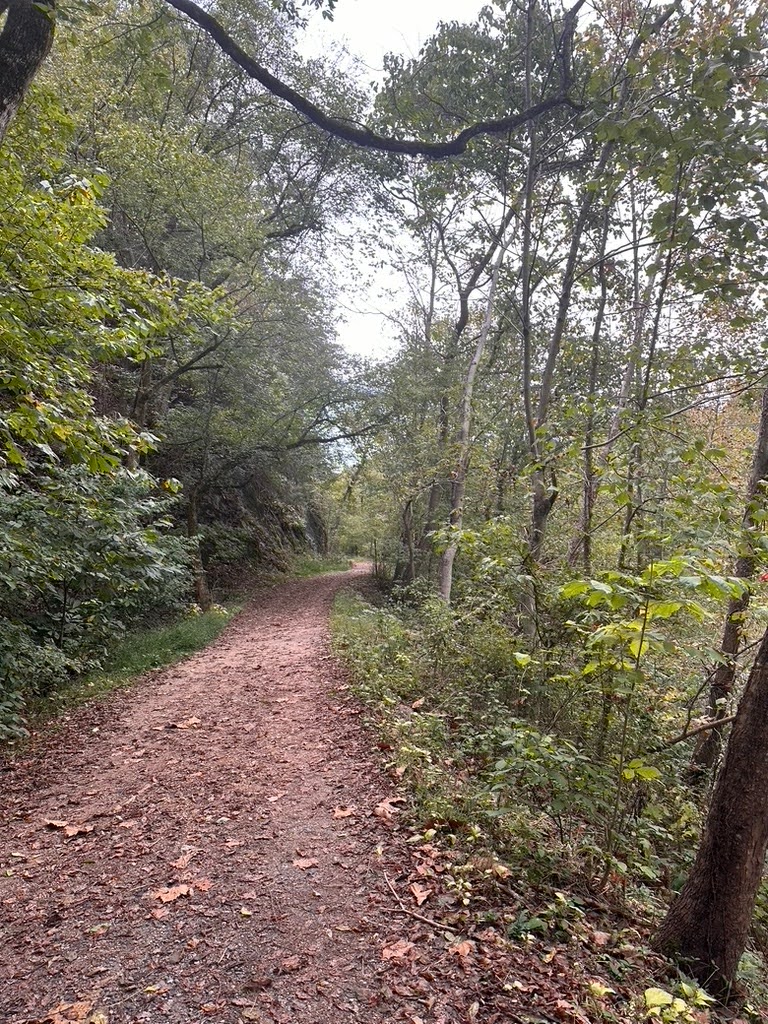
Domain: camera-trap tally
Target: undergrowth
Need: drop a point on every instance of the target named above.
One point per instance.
(307, 565)
(509, 763)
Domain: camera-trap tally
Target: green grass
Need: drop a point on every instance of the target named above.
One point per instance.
(315, 565)
(138, 653)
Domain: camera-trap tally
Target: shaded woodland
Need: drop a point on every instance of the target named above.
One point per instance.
(559, 475)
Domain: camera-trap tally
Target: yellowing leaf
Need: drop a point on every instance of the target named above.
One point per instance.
(657, 997)
(599, 990)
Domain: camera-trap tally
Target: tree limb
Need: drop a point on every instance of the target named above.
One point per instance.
(366, 137)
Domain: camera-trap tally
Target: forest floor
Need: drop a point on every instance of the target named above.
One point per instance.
(220, 843)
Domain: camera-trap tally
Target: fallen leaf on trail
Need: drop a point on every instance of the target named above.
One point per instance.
(170, 893)
(418, 703)
(255, 984)
(462, 949)
(343, 812)
(158, 914)
(76, 830)
(188, 723)
(251, 1015)
(245, 912)
(291, 963)
(278, 796)
(64, 1013)
(305, 863)
(68, 830)
(420, 893)
(202, 884)
(400, 950)
(400, 771)
(601, 938)
(185, 858)
(386, 810)
(568, 1011)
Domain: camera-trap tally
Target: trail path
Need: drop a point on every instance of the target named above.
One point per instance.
(205, 848)
(217, 844)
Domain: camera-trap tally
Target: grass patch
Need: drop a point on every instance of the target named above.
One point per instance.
(316, 565)
(139, 652)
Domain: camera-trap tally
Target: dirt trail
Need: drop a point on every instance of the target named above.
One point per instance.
(179, 854)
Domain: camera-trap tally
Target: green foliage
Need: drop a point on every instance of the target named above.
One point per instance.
(139, 652)
(316, 565)
(83, 558)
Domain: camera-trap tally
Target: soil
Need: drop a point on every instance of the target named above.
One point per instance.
(221, 843)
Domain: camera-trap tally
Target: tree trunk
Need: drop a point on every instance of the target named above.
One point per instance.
(708, 923)
(24, 44)
(705, 754)
(459, 482)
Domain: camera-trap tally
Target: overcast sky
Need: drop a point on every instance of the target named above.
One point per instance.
(369, 29)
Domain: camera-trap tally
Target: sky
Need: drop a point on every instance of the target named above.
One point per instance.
(369, 29)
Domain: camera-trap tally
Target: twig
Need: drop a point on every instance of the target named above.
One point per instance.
(402, 909)
(712, 724)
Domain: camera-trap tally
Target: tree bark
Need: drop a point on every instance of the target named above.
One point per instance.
(24, 44)
(708, 923)
(459, 482)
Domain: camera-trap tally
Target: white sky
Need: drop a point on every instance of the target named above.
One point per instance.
(369, 29)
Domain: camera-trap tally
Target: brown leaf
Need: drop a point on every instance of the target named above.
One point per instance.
(159, 913)
(386, 810)
(343, 812)
(601, 938)
(170, 893)
(399, 951)
(76, 830)
(291, 963)
(202, 884)
(462, 949)
(305, 863)
(420, 893)
(184, 859)
(188, 723)
(65, 1013)
(56, 824)
(418, 703)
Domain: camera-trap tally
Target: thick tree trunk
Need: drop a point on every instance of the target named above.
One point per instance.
(705, 754)
(708, 924)
(24, 44)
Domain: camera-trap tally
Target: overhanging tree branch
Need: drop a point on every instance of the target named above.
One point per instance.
(366, 137)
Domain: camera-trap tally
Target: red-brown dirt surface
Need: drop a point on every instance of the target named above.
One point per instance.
(218, 844)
